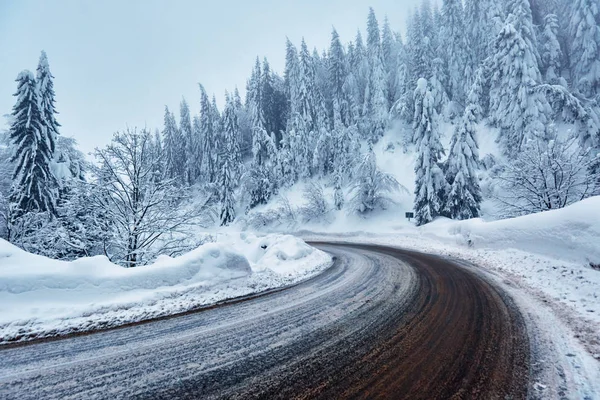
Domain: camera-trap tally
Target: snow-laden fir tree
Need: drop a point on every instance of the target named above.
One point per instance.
(338, 192)
(209, 137)
(391, 45)
(219, 144)
(437, 87)
(359, 71)
(226, 192)
(260, 179)
(340, 93)
(430, 184)
(300, 147)
(291, 75)
(346, 150)
(584, 32)
(188, 144)
(464, 196)
(454, 48)
(376, 99)
(483, 21)
(231, 136)
(46, 95)
(307, 90)
(371, 187)
(34, 183)
(171, 146)
(551, 53)
(515, 106)
(323, 156)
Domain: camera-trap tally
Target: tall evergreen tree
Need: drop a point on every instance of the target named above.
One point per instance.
(359, 68)
(45, 85)
(231, 132)
(291, 75)
(551, 52)
(483, 21)
(338, 72)
(226, 191)
(430, 184)
(171, 146)
(464, 196)
(376, 99)
(209, 138)
(454, 48)
(515, 107)
(34, 186)
(584, 32)
(188, 145)
(391, 45)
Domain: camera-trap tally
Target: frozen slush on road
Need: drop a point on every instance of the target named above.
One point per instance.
(41, 297)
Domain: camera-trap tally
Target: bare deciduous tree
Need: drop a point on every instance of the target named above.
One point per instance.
(144, 212)
(546, 176)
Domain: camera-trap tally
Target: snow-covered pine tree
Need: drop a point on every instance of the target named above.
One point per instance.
(430, 184)
(300, 149)
(515, 106)
(338, 72)
(291, 75)
(231, 132)
(226, 191)
(307, 91)
(371, 187)
(584, 32)
(464, 196)
(261, 182)
(188, 145)
(273, 102)
(209, 137)
(376, 99)
(323, 161)
(338, 192)
(551, 53)
(454, 50)
(260, 179)
(359, 69)
(437, 87)
(219, 144)
(171, 146)
(483, 21)
(391, 45)
(45, 84)
(245, 125)
(34, 184)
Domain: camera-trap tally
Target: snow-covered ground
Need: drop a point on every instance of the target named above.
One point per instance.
(40, 297)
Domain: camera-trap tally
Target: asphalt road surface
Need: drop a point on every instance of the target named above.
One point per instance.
(381, 323)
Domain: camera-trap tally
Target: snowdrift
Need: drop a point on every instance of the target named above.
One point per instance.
(571, 233)
(42, 297)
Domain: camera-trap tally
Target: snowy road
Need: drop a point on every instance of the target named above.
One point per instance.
(381, 323)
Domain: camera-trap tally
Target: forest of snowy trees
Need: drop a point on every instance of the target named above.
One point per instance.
(526, 69)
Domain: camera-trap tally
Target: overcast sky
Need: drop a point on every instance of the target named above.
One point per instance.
(119, 62)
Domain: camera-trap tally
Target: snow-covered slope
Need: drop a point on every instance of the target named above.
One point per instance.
(41, 297)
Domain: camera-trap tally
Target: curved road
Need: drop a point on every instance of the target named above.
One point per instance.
(381, 323)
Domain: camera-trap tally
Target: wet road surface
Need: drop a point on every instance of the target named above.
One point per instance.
(381, 323)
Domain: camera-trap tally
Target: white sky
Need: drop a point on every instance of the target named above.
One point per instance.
(119, 62)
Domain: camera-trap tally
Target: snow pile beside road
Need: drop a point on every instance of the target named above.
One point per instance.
(571, 233)
(42, 297)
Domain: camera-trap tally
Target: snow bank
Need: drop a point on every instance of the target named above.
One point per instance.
(571, 233)
(41, 297)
